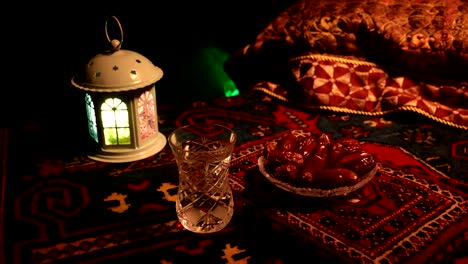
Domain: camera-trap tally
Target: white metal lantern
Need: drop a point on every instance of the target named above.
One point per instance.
(120, 99)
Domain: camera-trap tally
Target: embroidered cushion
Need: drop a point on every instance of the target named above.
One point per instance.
(420, 37)
(363, 56)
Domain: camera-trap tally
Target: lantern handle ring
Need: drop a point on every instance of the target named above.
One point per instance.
(116, 44)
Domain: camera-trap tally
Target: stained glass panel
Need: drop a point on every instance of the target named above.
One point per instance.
(92, 124)
(147, 115)
(115, 122)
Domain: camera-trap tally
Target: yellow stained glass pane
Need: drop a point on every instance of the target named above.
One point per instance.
(120, 105)
(108, 118)
(115, 121)
(108, 105)
(121, 118)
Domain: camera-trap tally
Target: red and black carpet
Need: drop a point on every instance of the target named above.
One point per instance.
(70, 209)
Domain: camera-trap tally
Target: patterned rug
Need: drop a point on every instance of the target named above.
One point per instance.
(71, 209)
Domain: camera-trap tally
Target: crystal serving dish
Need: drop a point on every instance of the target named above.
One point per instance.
(315, 192)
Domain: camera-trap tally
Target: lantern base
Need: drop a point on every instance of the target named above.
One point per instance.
(152, 146)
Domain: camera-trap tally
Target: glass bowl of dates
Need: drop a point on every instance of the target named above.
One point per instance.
(311, 164)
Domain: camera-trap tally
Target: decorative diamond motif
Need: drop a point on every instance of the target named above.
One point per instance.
(362, 87)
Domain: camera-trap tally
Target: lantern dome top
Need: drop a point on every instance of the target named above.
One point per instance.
(117, 70)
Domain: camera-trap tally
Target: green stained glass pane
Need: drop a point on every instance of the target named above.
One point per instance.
(92, 123)
(110, 136)
(124, 136)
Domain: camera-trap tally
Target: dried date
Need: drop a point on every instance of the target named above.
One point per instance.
(283, 156)
(288, 142)
(341, 147)
(335, 178)
(287, 172)
(307, 146)
(359, 162)
(316, 161)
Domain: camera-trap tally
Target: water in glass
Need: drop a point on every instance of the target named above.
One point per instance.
(205, 201)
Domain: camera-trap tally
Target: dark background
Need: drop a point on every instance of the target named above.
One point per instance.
(47, 43)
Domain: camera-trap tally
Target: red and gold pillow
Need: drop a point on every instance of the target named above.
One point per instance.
(423, 37)
(364, 56)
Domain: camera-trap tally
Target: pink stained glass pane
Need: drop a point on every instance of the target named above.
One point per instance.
(147, 115)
